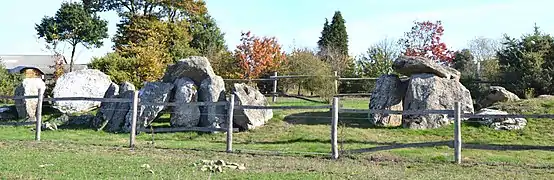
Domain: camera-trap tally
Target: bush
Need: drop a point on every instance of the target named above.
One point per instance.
(305, 62)
(8, 83)
(120, 69)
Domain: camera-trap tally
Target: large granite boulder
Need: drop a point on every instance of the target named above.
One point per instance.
(26, 108)
(431, 92)
(247, 119)
(500, 123)
(83, 83)
(152, 92)
(194, 67)
(410, 65)
(388, 95)
(106, 108)
(212, 89)
(185, 115)
(498, 94)
(112, 114)
(126, 86)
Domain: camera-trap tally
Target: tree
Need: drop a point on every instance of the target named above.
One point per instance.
(304, 61)
(167, 9)
(333, 44)
(120, 69)
(463, 61)
(258, 55)
(145, 53)
(334, 35)
(180, 15)
(378, 59)
(483, 49)
(424, 39)
(526, 63)
(324, 39)
(75, 25)
(225, 65)
(207, 38)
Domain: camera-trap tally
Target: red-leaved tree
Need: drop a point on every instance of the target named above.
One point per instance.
(258, 55)
(425, 40)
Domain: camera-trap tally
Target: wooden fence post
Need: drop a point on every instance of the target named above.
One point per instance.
(336, 82)
(457, 133)
(38, 114)
(134, 108)
(274, 87)
(334, 123)
(230, 123)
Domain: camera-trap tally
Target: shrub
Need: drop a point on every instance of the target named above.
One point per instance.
(8, 83)
(120, 69)
(306, 62)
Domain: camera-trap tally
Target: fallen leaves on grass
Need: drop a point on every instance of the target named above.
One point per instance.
(218, 165)
(147, 167)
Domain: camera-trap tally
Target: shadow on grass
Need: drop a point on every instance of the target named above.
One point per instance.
(354, 120)
(302, 140)
(496, 147)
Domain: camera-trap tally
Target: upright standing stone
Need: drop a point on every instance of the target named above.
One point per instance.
(430, 92)
(185, 115)
(106, 108)
(212, 89)
(152, 92)
(388, 95)
(26, 108)
(119, 112)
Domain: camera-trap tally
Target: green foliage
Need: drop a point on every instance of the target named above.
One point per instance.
(207, 38)
(178, 40)
(334, 34)
(490, 70)
(138, 29)
(526, 63)
(8, 83)
(225, 64)
(167, 9)
(529, 93)
(333, 46)
(463, 62)
(306, 62)
(120, 69)
(145, 45)
(376, 62)
(73, 24)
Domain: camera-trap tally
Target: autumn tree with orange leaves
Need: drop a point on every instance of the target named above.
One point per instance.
(258, 55)
(424, 39)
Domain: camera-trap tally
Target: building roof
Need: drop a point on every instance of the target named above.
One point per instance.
(44, 63)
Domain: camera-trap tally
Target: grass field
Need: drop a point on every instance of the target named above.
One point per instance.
(293, 145)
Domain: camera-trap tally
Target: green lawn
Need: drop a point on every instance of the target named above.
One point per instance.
(293, 145)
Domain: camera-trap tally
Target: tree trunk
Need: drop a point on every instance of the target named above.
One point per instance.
(72, 55)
